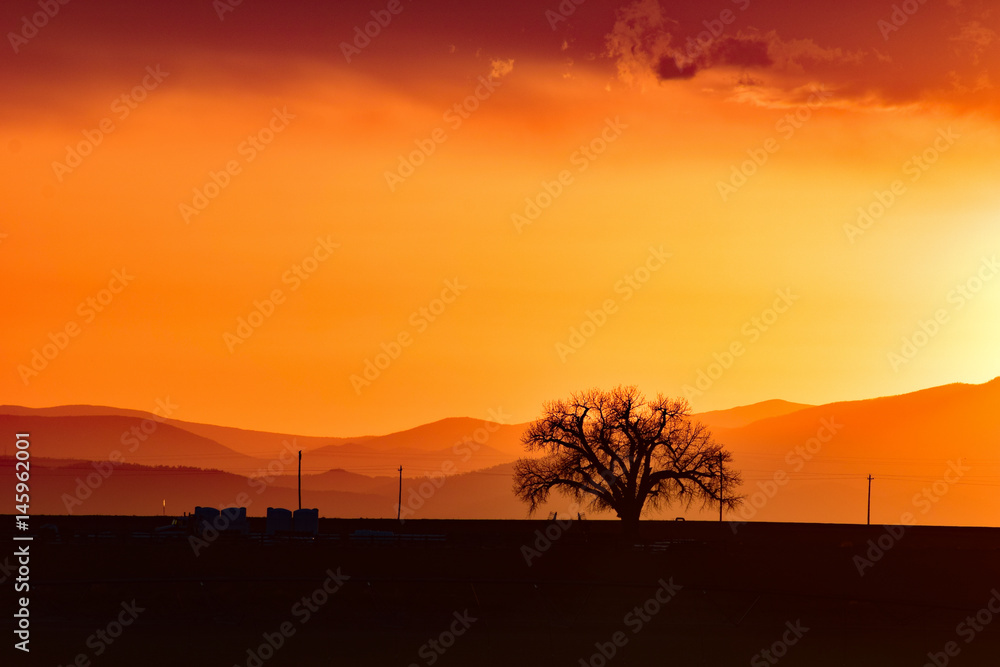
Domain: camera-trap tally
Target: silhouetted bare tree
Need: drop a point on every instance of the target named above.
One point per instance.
(625, 454)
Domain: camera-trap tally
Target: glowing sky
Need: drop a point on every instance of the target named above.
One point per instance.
(506, 202)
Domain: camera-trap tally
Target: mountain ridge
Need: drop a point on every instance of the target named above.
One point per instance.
(808, 463)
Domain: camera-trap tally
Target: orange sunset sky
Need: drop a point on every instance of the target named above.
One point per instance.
(185, 166)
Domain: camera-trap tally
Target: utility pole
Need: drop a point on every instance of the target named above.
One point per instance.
(300, 479)
(720, 487)
(399, 506)
(870, 478)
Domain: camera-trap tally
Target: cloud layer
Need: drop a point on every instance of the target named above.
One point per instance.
(883, 62)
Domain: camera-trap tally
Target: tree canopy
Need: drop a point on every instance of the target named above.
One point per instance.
(614, 450)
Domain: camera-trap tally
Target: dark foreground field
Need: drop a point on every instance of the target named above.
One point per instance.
(462, 593)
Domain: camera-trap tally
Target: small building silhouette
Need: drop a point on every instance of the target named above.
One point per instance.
(229, 520)
(306, 521)
(204, 518)
(234, 520)
(279, 520)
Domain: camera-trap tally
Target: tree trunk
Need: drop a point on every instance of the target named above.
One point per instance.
(630, 520)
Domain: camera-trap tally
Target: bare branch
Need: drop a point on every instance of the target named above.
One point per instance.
(625, 453)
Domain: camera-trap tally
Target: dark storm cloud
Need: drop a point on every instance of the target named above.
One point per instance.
(939, 55)
(669, 69)
(738, 51)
